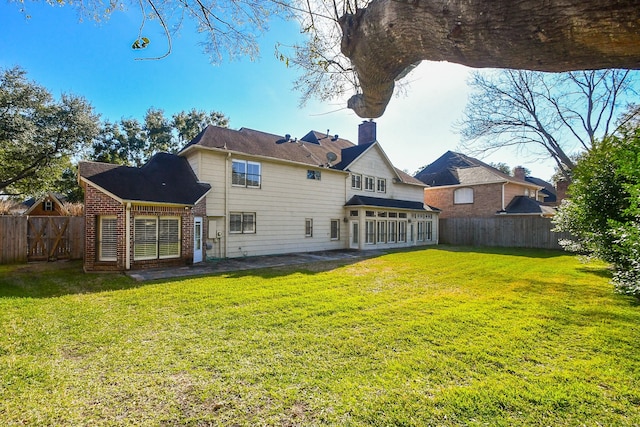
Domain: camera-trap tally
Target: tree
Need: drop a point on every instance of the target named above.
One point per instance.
(132, 143)
(603, 212)
(38, 135)
(549, 115)
(370, 45)
(502, 167)
(386, 37)
(189, 124)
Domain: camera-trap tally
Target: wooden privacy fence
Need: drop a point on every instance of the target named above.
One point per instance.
(505, 231)
(40, 238)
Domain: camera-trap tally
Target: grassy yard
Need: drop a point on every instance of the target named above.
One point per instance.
(443, 336)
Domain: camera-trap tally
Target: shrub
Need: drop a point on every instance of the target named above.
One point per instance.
(604, 210)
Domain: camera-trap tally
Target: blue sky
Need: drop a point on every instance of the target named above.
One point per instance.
(95, 60)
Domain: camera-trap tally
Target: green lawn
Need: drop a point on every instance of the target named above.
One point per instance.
(442, 336)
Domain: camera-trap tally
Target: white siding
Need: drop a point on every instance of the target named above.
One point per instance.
(373, 163)
(286, 198)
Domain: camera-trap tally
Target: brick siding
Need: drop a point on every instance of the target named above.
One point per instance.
(99, 204)
(487, 200)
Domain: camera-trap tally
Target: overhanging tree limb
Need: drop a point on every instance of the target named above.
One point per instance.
(387, 36)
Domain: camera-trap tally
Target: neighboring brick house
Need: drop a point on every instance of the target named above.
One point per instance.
(461, 186)
(142, 217)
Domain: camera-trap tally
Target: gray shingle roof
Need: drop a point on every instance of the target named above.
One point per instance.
(523, 205)
(165, 178)
(455, 169)
(551, 196)
(258, 143)
(311, 149)
(387, 203)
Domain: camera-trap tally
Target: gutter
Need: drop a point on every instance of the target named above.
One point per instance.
(127, 233)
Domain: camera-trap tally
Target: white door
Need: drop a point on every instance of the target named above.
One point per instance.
(354, 236)
(197, 239)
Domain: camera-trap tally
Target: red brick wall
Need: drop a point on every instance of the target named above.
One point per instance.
(487, 200)
(98, 203)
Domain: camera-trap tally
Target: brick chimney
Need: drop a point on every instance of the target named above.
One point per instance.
(366, 132)
(518, 172)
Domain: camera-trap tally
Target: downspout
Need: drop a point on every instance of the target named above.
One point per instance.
(127, 234)
(226, 204)
(503, 184)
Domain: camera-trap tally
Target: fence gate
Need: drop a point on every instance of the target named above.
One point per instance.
(48, 238)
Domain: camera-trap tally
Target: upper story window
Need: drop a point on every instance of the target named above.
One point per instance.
(356, 181)
(463, 195)
(246, 174)
(369, 183)
(311, 174)
(382, 185)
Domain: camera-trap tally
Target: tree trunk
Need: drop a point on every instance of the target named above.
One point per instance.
(388, 36)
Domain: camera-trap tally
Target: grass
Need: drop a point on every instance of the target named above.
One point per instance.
(444, 336)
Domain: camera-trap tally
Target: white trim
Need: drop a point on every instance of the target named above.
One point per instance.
(127, 233)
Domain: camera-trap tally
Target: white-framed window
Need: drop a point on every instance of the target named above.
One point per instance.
(382, 231)
(242, 222)
(156, 237)
(108, 238)
(313, 174)
(369, 183)
(370, 232)
(391, 231)
(246, 174)
(463, 196)
(168, 237)
(402, 231)
(421, 231)
(429, 230)
(335, 229)
(356, 181)
(382, 185)
(48, 205)
(308, 227)
(145, 238)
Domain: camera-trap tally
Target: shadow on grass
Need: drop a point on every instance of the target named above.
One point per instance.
(55, 279)
(45, 280)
